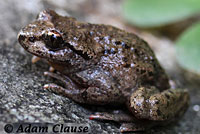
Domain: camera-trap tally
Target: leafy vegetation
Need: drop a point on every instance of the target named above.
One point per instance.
(188, 48)
(152, 13)
(157, 13)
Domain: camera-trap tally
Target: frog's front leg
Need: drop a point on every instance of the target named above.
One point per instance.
(72, 93)
(35, 59)
(60, 77)
(90, 95)
(151, 104)
(71, 90)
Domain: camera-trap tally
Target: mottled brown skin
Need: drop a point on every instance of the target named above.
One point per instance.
(101, 64)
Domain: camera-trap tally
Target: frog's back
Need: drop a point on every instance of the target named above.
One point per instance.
(129, 58)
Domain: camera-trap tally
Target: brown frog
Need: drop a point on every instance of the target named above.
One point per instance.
(101, 65)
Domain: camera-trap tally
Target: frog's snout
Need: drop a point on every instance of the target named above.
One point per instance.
(21, 38)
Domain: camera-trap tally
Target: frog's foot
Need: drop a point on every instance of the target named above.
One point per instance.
(126, 120)
(132, 127)
(35, 59)
(71, 90)
(115, 116)
(151, 104)
(72, 93)
(54, 88)
(60, 77)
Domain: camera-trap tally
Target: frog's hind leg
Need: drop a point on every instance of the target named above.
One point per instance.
(117, 116)
(128, 122)
(151, 104)
(133, 127)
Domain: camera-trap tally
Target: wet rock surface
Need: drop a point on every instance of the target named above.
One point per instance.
(22, 97)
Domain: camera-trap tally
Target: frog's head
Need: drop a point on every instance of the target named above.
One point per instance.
(42, 39)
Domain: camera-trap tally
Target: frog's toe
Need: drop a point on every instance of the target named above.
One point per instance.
(101, 116)
(117, 117)
(57, 76)
(127, 121)
(51, 74)
(132, 127)
(35, 59)
(54, 88)
(51, 69)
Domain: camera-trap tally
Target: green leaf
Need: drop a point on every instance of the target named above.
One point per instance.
(152, 13)
(188, 49)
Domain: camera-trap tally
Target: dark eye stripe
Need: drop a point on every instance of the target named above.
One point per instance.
(79, 52)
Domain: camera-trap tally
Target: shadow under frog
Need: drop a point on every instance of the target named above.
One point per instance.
(100, 65)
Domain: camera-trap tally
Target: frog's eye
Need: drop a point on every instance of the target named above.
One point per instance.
(31, 39)
(53, 40)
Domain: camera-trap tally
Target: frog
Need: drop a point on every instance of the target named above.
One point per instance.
(103, 65)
